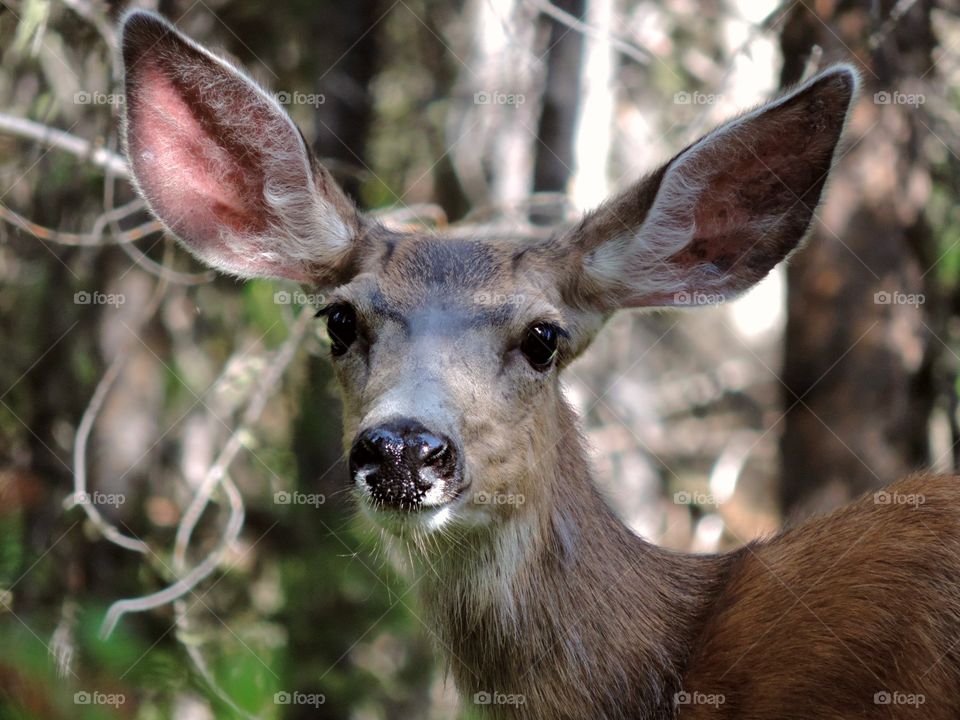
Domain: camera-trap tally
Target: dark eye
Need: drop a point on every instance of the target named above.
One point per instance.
(341, 327)
(539, 345)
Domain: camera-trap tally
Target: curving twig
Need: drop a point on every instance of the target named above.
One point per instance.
(92, 239)
(196, 575)
(80, 495)
(216, 475)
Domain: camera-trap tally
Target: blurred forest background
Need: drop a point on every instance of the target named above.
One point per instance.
(159, 423)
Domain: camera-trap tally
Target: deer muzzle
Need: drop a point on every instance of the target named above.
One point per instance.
(404, 466)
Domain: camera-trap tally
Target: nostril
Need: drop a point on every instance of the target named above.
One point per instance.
(440, 458)
(429, 448)
(365, 453)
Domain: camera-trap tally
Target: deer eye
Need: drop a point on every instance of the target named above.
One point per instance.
(341, 327)
(539, 345)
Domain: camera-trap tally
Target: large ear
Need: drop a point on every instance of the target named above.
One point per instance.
(223, 166)
(719, 216)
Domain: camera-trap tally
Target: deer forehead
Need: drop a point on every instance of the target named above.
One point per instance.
(448, 283)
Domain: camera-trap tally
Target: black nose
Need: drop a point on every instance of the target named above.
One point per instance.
(401, 461)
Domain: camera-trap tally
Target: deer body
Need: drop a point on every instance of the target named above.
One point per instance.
(448, 353)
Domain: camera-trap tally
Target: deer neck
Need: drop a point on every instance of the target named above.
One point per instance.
(562, 608)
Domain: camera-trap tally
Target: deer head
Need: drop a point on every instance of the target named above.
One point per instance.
(448, 351)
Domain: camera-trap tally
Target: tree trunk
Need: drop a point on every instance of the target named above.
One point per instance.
(554, 161)
(859, 343)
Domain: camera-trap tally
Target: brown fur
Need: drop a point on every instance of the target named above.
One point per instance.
(818, 620)
(812, 623)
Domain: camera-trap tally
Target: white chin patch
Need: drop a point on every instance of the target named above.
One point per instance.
(434, 496)
(439, 518)
(360, 480)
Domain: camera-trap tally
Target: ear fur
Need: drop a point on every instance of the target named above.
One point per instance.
(223, 166)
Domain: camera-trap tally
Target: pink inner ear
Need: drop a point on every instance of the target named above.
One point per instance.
(753, 210)
(187, 173)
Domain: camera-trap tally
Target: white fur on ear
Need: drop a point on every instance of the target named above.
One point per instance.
(637, 260)
(220, 162)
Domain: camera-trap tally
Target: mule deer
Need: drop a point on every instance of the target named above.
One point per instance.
(551, 608)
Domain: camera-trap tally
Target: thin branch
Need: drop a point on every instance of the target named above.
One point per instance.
(61, 140)
(162, 271)
(575, 23)
(92, 239)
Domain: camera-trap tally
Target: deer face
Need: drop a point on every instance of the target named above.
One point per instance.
(448, 350)
(448, 353)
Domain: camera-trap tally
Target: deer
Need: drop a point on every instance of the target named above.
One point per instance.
(551, 608)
